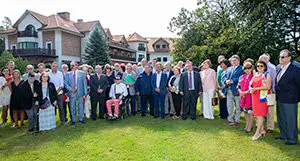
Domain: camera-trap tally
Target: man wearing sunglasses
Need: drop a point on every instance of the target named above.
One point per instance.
(287, 87)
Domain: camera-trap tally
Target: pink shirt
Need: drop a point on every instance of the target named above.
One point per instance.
(209, 79)
(244, 83)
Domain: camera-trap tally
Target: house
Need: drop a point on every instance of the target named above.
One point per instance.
(138, 43)
(40, 38)
(160, 48)
(119, 49)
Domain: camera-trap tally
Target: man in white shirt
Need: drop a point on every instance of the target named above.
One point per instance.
(117, 92)
(57, 78)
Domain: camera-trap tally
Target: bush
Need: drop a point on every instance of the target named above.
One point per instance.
(20, 63)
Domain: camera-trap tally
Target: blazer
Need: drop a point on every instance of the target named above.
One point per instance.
(131, 86)
(95, 83)
(143, 84)
(288, 87)
(27, 94)
(81, 83)
(184, 82)
(170, 74)
(52, 92)
(163, 83)
(234, 75)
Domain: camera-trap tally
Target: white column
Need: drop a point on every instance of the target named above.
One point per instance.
(6, 42)
(40, 39)
(58, 47)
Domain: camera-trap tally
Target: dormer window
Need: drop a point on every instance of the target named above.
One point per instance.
(30, 29)
(164, 46)
(157, 46)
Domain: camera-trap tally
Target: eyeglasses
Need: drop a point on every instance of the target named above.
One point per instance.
(282, 57)
(108, 68)
(260, 66)
(247, 68)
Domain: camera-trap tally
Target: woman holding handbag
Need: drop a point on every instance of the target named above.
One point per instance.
(260, 86)
(174, 89)
(209, 84)
(47, 98)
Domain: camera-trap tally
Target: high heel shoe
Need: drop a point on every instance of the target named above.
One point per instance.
(259, 136)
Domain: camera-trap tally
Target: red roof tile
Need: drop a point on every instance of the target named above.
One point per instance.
(135, 37)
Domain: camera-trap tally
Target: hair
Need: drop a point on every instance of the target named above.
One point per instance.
(29, 65)
(286, 51)
(10, 62)
(261, 62)
(226, 62)
(208, 62)
(41, 64)
(177, 68)
(54, 63)
(154, 59)
(44, 74)
(168, 63)
(75, 62)
(107, 66)
(122, 66)
(5, 67)
(249, 60)
(247, 65)
(236, 57)
(159, 63)
(16, 71)
(64, 65)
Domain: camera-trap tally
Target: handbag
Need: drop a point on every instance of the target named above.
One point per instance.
(45, 102)
(271, 99)
(214, 101)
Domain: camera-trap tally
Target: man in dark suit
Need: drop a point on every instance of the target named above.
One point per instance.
(159, 86)
(29, 101)
(190, 87)
(98, 86)
(287, 87)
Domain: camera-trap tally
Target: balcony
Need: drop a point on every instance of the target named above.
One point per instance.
(122, 57)
(33, 52)
(141, 48)
(27, 34)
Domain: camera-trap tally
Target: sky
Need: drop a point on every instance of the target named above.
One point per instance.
(149, 18)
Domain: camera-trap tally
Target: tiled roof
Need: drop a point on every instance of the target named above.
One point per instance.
(135, 37)
(85, 26)
(153, 40)
(117, 38)
(9, 31)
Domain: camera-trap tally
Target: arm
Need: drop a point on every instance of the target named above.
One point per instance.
(200, 84)
(93, 85)
(84, 84)
(267, 85)
(112, 92)
(181, 82)
(106, 84)
(66, 82)
(125, 92)
(236, 78)
(137, 84)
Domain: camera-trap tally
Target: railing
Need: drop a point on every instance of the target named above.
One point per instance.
(122, 57)
(141, 48)
(33, 52)
(27, 34)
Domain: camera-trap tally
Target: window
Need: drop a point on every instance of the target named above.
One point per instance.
(158, 59)
(28, 45)
(141, 56)
(141, 47)
(13, 46)
(30, 29)
(157, 46)
(49, 47)
(165, 59)
(164, 46)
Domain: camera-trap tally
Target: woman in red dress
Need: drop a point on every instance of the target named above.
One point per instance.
(260, 86)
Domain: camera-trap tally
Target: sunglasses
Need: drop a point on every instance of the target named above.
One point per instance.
(260, 66)
(282, 57)
(108, 68)
(247, 68)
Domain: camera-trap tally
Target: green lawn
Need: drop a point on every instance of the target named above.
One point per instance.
(146, 138)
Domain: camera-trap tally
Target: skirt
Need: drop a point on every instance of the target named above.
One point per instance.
(47, 120)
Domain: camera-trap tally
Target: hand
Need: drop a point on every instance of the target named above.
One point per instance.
(35, 94)
(36, 103)
(121, 97)
(137, 93)
(200, 93)
(242, 94)
(157, 90)
(100, 90)
(73, 90)
(252, 90)
(83, 98)
(181, 93)
(55, 103)
(128, 84)
(58, 90)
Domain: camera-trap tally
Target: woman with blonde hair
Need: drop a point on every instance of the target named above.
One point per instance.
(16, 98)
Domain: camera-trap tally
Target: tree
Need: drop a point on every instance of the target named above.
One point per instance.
(97, 49)
(20, 63)
(5, 25)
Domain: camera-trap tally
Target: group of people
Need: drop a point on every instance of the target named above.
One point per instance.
(159, 90)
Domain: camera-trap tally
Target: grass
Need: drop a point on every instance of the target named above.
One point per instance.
(145, 138)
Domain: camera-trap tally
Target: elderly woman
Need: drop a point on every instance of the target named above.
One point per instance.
(87, 103)
(47, 98)
(173, 86)
(245, 96)
(260, 84)
(169, 105)
(129, 78)
(209, 80)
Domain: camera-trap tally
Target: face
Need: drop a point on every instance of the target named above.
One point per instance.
(235, 62)
(73, 66)
(45, 77)
(260, 67)
(65, 69)
(176, 72)
(147, 69)
(284, 58)
(154, 62)
(205, 65)
(158, 68)
(16, 75)
(11, 65)
(248, 70)
(180, 64)
(6, 72)
(29, 69)
(41, 69)
(118, 80)
(220, 59)
(134, 67)
(168, 67)
(189, 66)
(117, 66)
(144, 62)
(54, 67)
(223, 66)
(31, 79)
(98, 69)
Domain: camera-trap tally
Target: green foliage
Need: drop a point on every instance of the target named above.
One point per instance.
(243, 27)
(97, 49)
(20, 63)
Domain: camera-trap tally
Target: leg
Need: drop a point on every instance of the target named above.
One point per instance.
(194, 96)
(230, 106)
(87, 107)
(80, 109)
(162, 99)
(133, 107)
(205, 103)
(108, 106)
(15, 116)
(270, 118)
(186, 104)
(291, 111)
(259, 124)
(247, 122)
(72, 109)
(166, 101)
(4, 114)
(156, 104)
(101, 108)
(116, 103)
(237, 109)
(144, 99)
(151, 103)
(30, 119)
(94, 103)
(281, 119)
(65, 110)
(22, 114)
(60, 102)
(172, 107)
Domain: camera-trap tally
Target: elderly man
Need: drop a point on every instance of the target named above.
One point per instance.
(57, 78)
(169, 105)
(129, 78)
(117, 68)
(287, 87)
(272, 71)
(65, 70)
(29, 69)
(41, 69)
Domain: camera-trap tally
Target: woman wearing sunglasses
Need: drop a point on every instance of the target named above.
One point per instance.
(260, 86)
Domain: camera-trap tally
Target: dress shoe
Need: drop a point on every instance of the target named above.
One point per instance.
(73, 123)
(269, 131)
(289, 143)
(143, 115)
(82, 122)
(184, 118)
(279, 138)
(155, 117)
(193, 118)
(236, 124)
(228, 122)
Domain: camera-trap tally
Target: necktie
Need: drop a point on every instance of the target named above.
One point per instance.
(31, 86)
(190, 81)
(74, 77)
(279, 75)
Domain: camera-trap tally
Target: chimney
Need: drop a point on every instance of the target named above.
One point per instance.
(64, 15)
(79, 20)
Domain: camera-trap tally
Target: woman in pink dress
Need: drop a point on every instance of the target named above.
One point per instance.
(260, 86)
(245, 96)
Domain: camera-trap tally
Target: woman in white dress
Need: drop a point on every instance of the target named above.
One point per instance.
(46, 91)
(5, 80)
(87, 103)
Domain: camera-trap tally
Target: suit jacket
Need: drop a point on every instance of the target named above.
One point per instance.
(81, 83)
(131, 86)
(184, 82)
(162, 85)
(288, 87)
(52, 92)
(95, 83)
(234, 75)
(27, 97)
(170, 74)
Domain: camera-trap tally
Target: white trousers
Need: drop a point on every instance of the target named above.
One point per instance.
(208, 109)
(87, 106)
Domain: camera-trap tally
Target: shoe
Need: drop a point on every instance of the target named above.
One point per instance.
(184, 118)
(155, 117)
(73, 123)
(289, 143)
(82, 122)
(193, 118)
(94, 119)
(143, 115)
(279, 138)
(247, 131)
(22, 126)
(2, 125)
(171, 115)
(228, 122)
(231, 124)
(259, 136)
(269, 131)
(236, 124)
